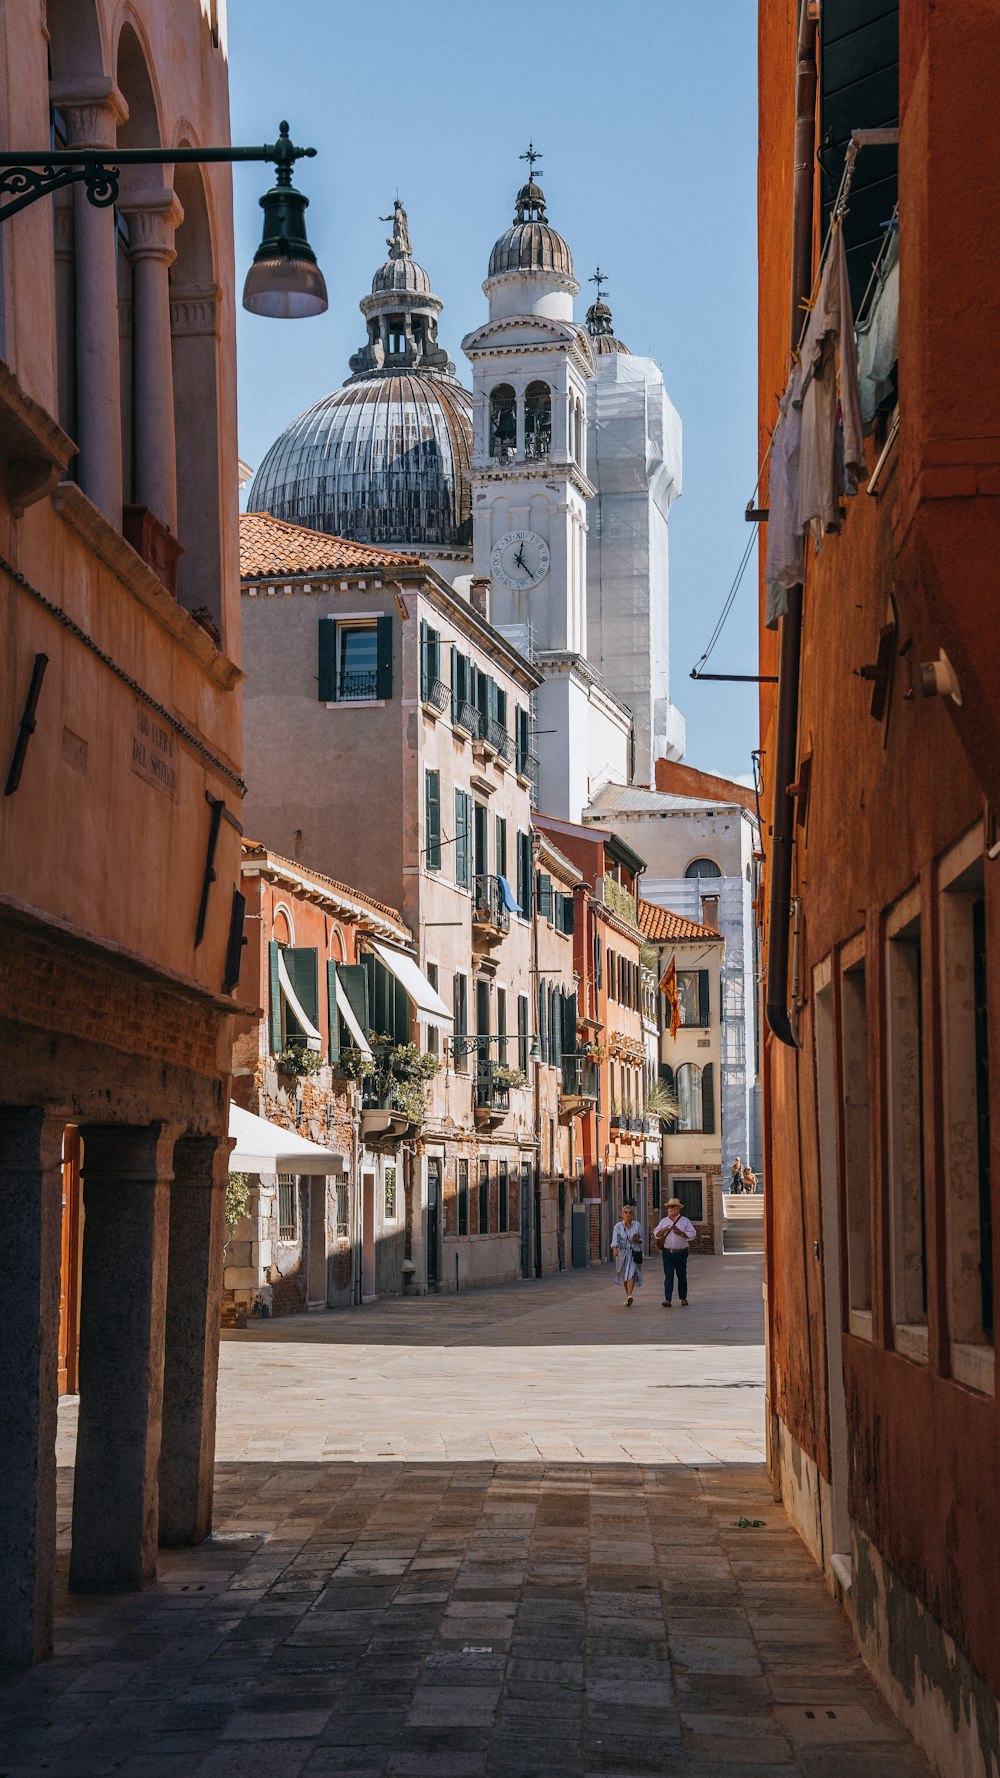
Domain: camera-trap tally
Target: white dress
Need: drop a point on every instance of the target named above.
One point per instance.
(629, 1262)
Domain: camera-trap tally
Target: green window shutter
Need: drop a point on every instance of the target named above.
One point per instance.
(327, 660)
(704, 1000)
(708, 1100)
(569, 1021)
(432, 813)
(545, 909)
(568, 914)
(332, 1013)
(302, 964)
(463, 838)
(482, 684)
(274, 998)
(501, 847)
(555, 1031)
(500, 702)
(456, 684)
(542, 1023)
(425, 663)
(598, 961)
(383, 659)
(352, 982)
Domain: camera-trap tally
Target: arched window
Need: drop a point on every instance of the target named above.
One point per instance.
(537, 420)
(503, 423)
(703, 867)
(688, 1087)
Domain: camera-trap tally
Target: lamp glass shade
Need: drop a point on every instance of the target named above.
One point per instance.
(535, 1054)
(285, 289)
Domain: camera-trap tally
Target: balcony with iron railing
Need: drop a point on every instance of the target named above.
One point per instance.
(358, 687)
(490, 913)
(469, 719)
(578, 1085)
(492, 1093)
(437, 696)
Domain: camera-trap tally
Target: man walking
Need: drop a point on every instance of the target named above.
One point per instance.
(674, 1233)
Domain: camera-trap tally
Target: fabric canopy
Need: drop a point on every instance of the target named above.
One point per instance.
(352, 1021)
(266, 1148)
(426, 1000)
(313, 1039)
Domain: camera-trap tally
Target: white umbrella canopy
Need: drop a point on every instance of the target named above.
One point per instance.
(266, 1148)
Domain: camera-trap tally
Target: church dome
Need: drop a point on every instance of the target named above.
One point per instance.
(384, 460)
(401, 274)
(532, 244)
(601, 329)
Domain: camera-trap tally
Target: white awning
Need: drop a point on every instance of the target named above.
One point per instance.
(426, 1000)
(266, 1148)
(352, 1021)
(313, 1039)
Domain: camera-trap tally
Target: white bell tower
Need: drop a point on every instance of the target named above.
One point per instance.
(530, 367)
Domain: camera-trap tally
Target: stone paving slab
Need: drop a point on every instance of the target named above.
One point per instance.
(478, 1610)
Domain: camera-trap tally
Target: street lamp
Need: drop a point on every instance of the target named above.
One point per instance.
(284, 279)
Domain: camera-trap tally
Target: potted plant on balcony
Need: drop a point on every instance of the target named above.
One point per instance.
(615, 1115)
(296, 1058)
(661, 1103)
(354, 1064)
(509, 1077)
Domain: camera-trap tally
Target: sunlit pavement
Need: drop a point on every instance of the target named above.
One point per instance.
(492, 1534)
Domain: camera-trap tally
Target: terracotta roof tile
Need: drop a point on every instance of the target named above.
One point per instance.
(658, 924)
(270, 549)
(255, 853)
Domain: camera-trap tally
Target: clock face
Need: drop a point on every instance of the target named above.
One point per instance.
(520, 560)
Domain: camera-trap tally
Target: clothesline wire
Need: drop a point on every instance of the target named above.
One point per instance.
(837, 214)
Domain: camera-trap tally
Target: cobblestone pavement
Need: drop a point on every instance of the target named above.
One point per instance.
(420, 1569)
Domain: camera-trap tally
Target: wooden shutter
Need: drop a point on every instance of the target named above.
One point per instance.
(542, 1023)
(704, 998)
(302, 964)
(352, 982)
(568, 914)
(544, 896)
(432, 817)
(332, 1012)
(274, 998)
(598, 960)
(708, 1100)
(457, 683)
(327, 682)
(383, 658)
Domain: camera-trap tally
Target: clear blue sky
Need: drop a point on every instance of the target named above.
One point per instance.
(646, 112)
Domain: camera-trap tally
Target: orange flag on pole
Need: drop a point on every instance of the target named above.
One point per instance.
(668, 988)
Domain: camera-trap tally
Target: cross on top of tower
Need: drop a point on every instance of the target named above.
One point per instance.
(600, 279)
(534, 154)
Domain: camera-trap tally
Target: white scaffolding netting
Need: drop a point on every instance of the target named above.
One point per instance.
(634, 460)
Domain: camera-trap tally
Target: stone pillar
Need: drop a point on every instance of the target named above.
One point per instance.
(191, 1360)
(31, 1192)
(94, 124)
(126, 1202)
(152, 225)
(519, 430)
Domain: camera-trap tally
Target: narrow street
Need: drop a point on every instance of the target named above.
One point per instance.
(492, 1534)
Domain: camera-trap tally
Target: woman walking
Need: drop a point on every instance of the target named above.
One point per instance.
(626, 1245)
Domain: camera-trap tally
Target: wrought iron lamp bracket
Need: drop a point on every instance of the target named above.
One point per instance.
(23, 185)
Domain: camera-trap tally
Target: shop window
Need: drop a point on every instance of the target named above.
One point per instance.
(690, 1188)
(343, 1210)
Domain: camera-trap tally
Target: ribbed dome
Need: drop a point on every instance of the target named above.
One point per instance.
(401, 274)
(383, 460)
(601, 329)
(531, 247)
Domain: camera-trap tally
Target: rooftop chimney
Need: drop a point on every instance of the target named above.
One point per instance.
(479, 594)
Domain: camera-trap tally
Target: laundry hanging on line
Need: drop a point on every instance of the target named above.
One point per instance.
(818, 448)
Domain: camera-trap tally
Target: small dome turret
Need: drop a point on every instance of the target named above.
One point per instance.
(532, 244)
(600, 325)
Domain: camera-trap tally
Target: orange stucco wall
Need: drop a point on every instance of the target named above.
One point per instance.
(887, 797)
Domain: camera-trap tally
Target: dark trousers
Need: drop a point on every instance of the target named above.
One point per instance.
(675, 1265)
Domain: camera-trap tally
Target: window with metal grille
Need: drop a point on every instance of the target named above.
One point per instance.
(463, 1197)
(484, 1197)
(288, 1207)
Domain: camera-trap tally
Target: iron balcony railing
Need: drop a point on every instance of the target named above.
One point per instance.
(527, 765)
(437, 695)
(354, 688)
(505, 748)
(579, 1077)
(491, 1094)
(489, 907)
(469, 719)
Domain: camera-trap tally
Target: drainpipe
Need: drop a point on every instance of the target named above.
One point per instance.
(786, 738)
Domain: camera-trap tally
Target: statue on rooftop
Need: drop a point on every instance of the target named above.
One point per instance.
(399, 241)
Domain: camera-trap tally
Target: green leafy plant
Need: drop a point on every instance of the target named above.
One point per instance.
(618, 899)
(649, 957)
(408, 1096)
(509, 1077)
(296, 1058)
(661, 1102)
(237, 1198)
(354, 1064)
(407, 1062)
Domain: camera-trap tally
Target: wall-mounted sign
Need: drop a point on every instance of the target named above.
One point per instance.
(154, 754)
